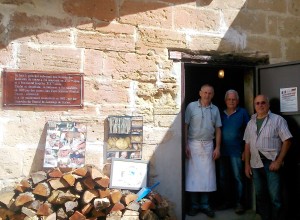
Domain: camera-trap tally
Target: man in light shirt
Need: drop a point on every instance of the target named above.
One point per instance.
(202, 127)
(267, 139)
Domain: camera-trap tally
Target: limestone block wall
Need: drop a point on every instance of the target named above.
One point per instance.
(121, 46)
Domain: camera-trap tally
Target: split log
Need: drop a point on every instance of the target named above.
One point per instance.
(61, 214)
(38, 176)
(59, 197)
(127, 199)
(130, 215)
(69, 178)
(55, 173)
(24, 198)
(23, 185)
(101, 204)
(86, 208)
(89, 182)
(42, 189)
(71, 206)
(35, 205)
(95, 172)
(6, 197)
(103, 182)
(45, 209)
(81, 193)
(117, 207)
(104, 193)
(89, 195)
(58, 183)
(134, 206)
(77, 216)
(106, 169)
(115, 196)
(82, 171)
(28, 212)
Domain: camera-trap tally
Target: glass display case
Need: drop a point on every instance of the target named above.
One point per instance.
(125, 137)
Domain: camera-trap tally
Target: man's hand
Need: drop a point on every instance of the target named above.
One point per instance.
(187, 151)
(216, 153)
(275, 166)
(248, 171)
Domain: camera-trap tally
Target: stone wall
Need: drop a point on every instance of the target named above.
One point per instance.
(121, 46)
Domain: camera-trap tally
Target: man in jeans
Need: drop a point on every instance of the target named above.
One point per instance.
(267, 139)
(234, 121)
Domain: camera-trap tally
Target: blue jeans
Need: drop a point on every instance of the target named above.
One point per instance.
(199, 200)
(232, 165)
(267, 186)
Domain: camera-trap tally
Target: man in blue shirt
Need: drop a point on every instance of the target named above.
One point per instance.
(234, 120)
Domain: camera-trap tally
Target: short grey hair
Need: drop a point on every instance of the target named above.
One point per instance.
(232, 91)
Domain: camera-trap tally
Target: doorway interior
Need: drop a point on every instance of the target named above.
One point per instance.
(239, 78)
(197, 75)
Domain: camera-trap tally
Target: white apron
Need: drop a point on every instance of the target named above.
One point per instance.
(200, 168)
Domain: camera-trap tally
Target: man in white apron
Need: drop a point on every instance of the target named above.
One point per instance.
(202, 126)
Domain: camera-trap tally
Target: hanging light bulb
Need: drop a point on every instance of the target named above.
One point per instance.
(221, 74)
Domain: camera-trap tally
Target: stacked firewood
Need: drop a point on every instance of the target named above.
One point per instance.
(77, 194)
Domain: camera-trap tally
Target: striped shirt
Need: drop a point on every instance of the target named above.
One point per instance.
(268, 140)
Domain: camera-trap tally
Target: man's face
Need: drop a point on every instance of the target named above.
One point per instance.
(261, 105)
(231, 101)
(206, 94)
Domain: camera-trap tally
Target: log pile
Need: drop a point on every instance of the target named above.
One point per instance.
(77, 194)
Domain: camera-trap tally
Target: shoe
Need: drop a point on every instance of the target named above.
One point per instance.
(193, 212)
(239, 209)
(208, 211)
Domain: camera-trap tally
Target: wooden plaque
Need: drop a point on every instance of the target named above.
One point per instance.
(33, 88)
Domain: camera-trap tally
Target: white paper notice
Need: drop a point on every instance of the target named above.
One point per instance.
(288, 99)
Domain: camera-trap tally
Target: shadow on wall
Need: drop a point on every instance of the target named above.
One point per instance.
(80, 12)
(40, 152)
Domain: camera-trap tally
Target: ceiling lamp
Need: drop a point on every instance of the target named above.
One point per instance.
(221, 74)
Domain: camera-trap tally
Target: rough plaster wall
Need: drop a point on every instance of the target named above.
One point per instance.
(122, 48)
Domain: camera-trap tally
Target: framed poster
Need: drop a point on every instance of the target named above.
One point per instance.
(128, 174)
(65, 144)
(125, 137)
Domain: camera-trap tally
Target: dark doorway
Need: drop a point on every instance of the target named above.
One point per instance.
(196, 75)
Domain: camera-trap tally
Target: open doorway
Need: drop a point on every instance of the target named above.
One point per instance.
(197, 74)
(239, 78)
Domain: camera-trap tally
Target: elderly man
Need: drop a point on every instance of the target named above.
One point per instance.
(202, 126)
(267, 139)
(234, 121)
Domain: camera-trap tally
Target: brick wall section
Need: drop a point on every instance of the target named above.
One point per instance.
(122, 49)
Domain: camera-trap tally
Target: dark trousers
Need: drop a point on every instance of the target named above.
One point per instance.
(199, 200)
(267, 185)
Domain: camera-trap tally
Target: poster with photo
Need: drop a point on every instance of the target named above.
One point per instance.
(125, 137)
(65, 144)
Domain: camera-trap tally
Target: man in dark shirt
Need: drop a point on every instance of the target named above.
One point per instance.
(234, 120)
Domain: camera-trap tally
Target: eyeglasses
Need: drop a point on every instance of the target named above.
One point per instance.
(260, 103)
